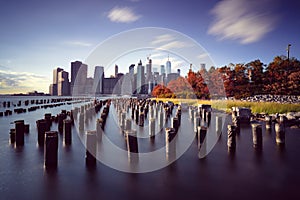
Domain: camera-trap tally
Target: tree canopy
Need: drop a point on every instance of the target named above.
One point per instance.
(280, 77)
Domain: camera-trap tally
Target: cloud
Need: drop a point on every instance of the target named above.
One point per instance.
(243, 20)
(162, 38)
(161, 59)
(175, 45)
(168, 42)
(123, 15)
(13, 82)
(203, 55)
(78, 43)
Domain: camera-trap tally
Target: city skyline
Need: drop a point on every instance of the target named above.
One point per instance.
(39, 36)
(139, 79)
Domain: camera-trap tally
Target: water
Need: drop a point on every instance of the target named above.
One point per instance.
(247, 174)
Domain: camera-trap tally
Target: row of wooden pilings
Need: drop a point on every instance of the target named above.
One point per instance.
(130, 111)
(257, 136)
(48, 138)
(50, 104)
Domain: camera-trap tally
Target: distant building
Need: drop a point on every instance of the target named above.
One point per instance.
(168, 67)
(149, 71)
(53, 86)
(109, 85)
(131, 70)
(89, 86)
(63, 86)
(162, 70)
(172, 76)
(178, 72)
(53, 89)
(78, 78)
(140, 79)
(98, 80)
(126, 85)
(116, 70)
(154, 69)
(202, 66)
(55, 74)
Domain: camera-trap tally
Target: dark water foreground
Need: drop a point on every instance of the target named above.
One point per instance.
(273, 173)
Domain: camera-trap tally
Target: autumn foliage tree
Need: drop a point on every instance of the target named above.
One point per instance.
(280, 77)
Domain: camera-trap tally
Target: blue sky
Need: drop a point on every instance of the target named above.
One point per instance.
(37, 36)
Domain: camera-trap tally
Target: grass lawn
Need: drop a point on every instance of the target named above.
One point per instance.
(256, 107)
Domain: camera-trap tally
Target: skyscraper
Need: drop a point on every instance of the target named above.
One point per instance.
(53, 86)
(63, 86)
(140, 78)
(131, 69)
(168, 66)
(162, 70)
(78, 78)
(98, 80)
(149, 71)
(131, 75)
(116, 71)
(202, 66)
(55, 74)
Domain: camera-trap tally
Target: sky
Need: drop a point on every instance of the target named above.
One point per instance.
(38, 36)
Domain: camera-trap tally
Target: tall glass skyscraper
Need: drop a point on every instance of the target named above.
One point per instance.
(162, 70)
(78, 77)
(140, 79)
(98, 80)
(168, 66)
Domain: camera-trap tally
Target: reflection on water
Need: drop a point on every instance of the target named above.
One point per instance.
(269, 173)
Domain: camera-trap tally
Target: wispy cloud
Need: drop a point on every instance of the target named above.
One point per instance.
(161, 59)
(78, 43)
(11, 82)
(243, 20)
(175, 45)
(163, 38)
(203, 55)
(168, 42)
(123, 15)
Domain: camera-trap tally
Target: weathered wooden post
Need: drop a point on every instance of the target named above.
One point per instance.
(51, 149)
(81, 121)
(197, 122)
(152, 127)
(91, 148)
(218, 125)
(175, 123)
(67, 131)
(231, 137)
(132, 142)
(280, 134)
(257, 135)
(19, 126)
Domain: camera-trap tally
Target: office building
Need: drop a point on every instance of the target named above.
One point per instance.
(98, 80)
(116, 70)
(171, 76)
(63, 86)
(140, 79)
(162, 70)
(149, 71)
(53, 86)
(168, 67)
(78, 78)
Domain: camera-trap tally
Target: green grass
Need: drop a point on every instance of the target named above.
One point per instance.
(256, 107)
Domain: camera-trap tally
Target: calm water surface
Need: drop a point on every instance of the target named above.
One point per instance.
(273, 173)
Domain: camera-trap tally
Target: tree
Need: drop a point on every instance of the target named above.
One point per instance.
(256, 76)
